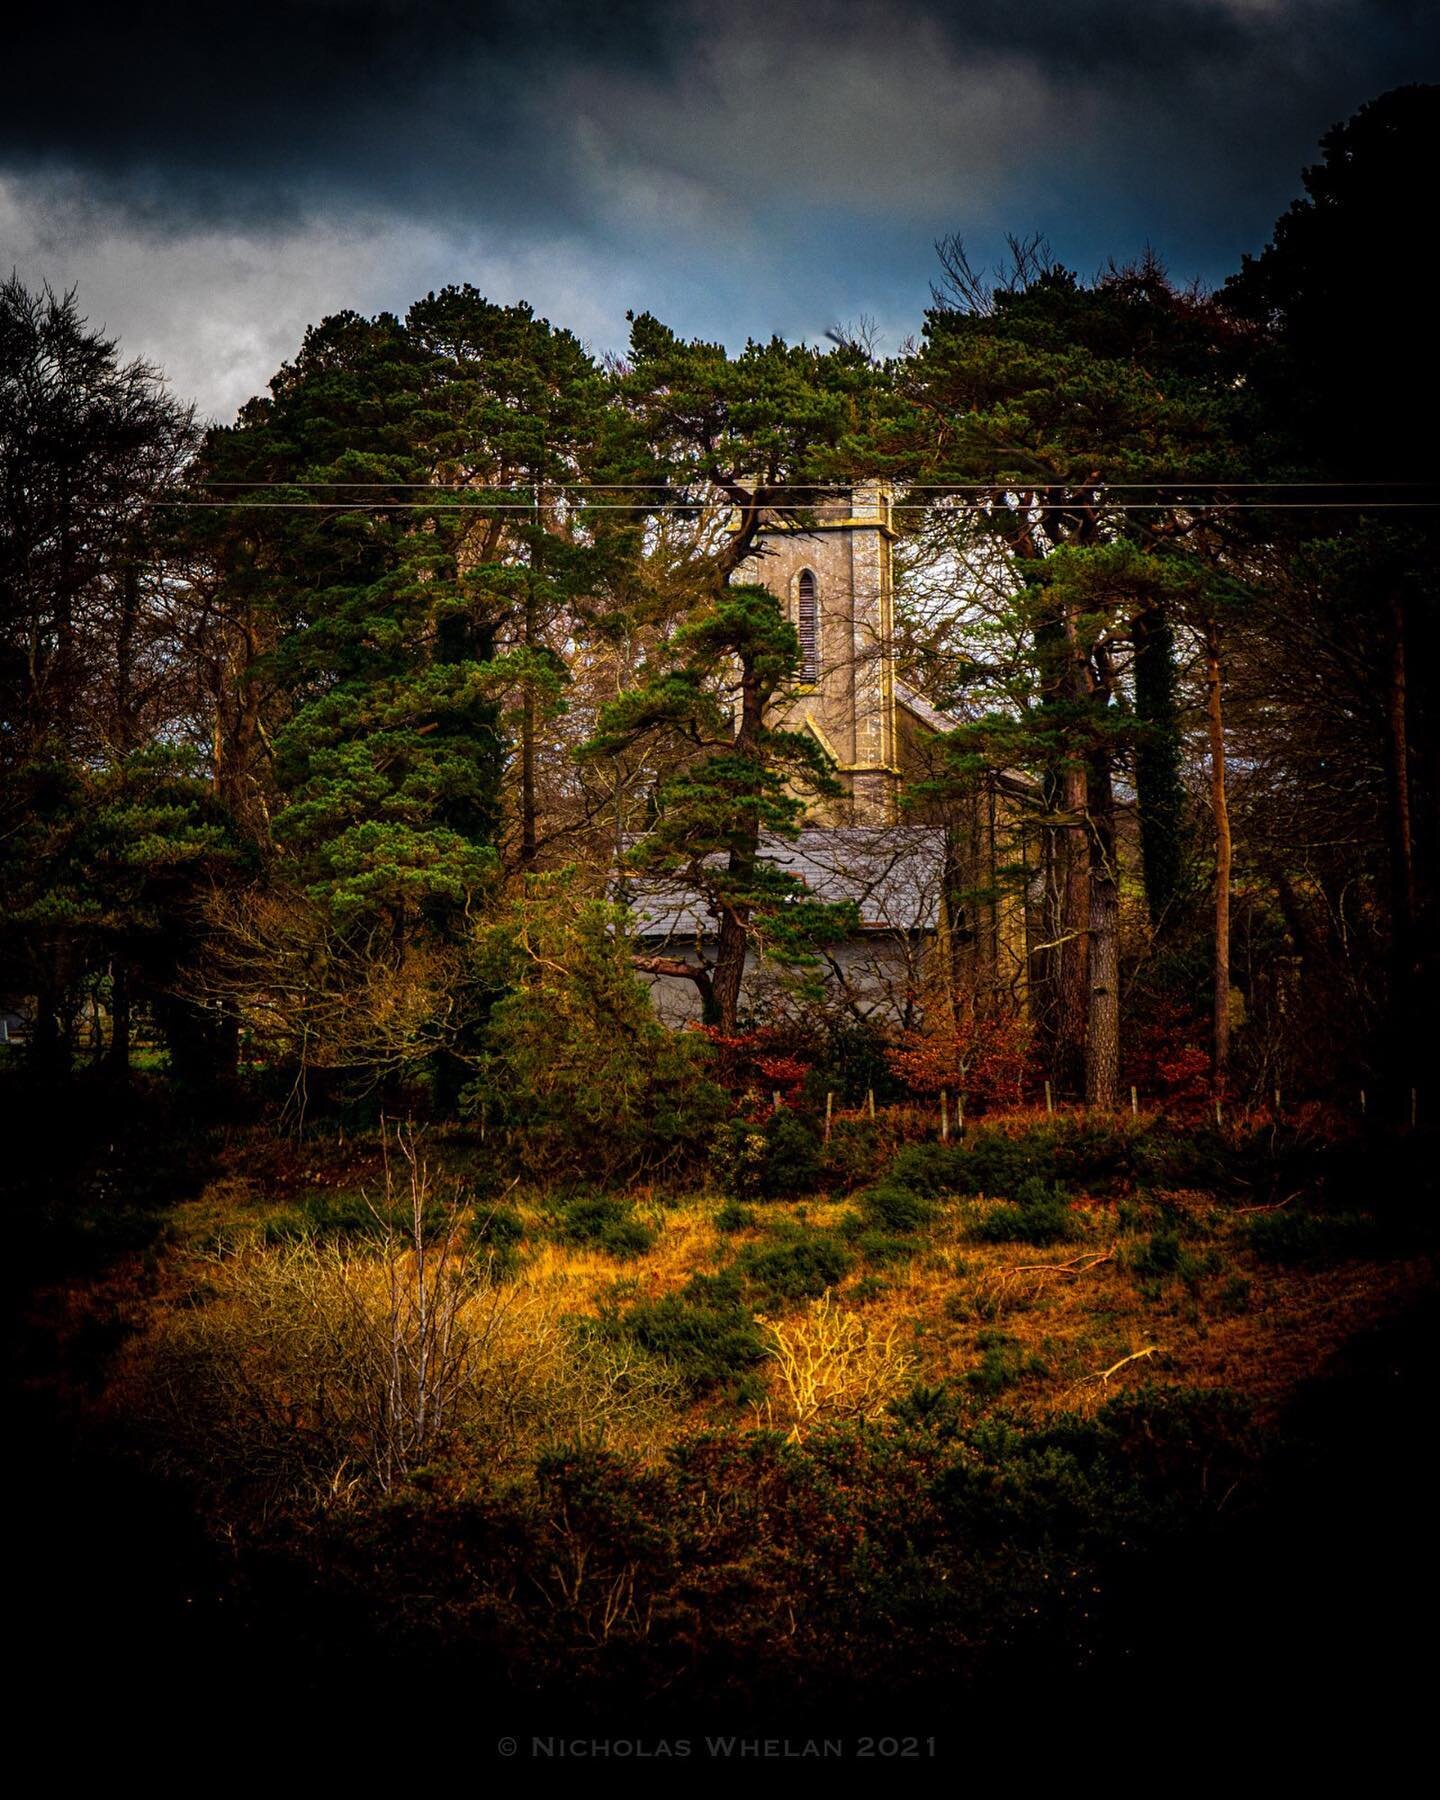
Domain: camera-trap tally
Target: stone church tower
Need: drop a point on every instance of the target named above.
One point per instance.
(933, 920)
(833, 575)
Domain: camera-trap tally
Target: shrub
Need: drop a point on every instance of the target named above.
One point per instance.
(608, 1222)
(734, 1217)
(983, 1055)
(929, 1169)
(1092, 1150)
(891, 1208)
(792, 1157)
(1192, 1159)
(855, 1154)
(799, 1270)
(998, 1165)
(704, 1332)
(881, 1249)
(770, 1161)
(1002, 1363)
(321, 1215)
(322, 1370)
(830, 1365)
(500, 1228)
(574, 1061)
(1160, 1254)
(1311, 1237)
(737, 1158)
(867, 1288)
(494, 1236)
(1039, 1215)
(854, 1061)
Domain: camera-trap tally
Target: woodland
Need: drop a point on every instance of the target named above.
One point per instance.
(394, 1293)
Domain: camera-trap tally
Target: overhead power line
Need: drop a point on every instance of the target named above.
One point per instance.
(371, 506)
(807, 487)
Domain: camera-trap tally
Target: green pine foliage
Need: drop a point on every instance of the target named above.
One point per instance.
(573, 1062)
(736, 783)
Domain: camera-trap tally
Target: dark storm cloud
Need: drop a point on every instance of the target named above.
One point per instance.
(179, 110)
(738, 165)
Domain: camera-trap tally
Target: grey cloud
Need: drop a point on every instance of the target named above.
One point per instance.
(215, 180)
(443, 107)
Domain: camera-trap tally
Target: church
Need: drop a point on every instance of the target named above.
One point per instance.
(934, 917)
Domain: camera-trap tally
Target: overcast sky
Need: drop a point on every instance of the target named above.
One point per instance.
(215, 179)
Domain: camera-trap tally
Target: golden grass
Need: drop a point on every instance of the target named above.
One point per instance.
(1076, 1307)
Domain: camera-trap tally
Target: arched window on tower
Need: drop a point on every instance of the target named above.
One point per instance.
(807, 622)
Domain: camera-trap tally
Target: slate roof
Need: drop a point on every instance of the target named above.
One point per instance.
(894, 873)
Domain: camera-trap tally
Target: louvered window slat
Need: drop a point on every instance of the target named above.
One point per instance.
(808, 623)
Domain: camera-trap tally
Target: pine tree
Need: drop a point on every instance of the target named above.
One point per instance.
(1040, 397)
(736, 783)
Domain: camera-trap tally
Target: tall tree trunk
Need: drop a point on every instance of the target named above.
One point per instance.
(1060, 971)
(1220, 807)
(1404, 903)
(528, 833)
(1072, 1060)
(729, 971)
(1102, 1037)
(49, 1054)
(1407, 963)
(1075, 922)
(1074, 999)
(117, 1059)
(1159, 795)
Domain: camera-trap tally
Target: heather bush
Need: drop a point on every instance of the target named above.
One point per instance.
(998, 1165)
(893, 1208)
(1302, 1236)
(800, 1269)
(1194, 1159)
(773, 1160)
(929, 1169)
(879, 1248)
(705, 1333)
(606, 1221)
(857, 1152)
(351, 1213)
(1003, 1362)
(1164, 1254)
(495, 1235)
(733, 1217)
(1038, 1215)
(496, 1228)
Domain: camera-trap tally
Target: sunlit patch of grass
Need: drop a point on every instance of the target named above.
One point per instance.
(1175, 1268)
